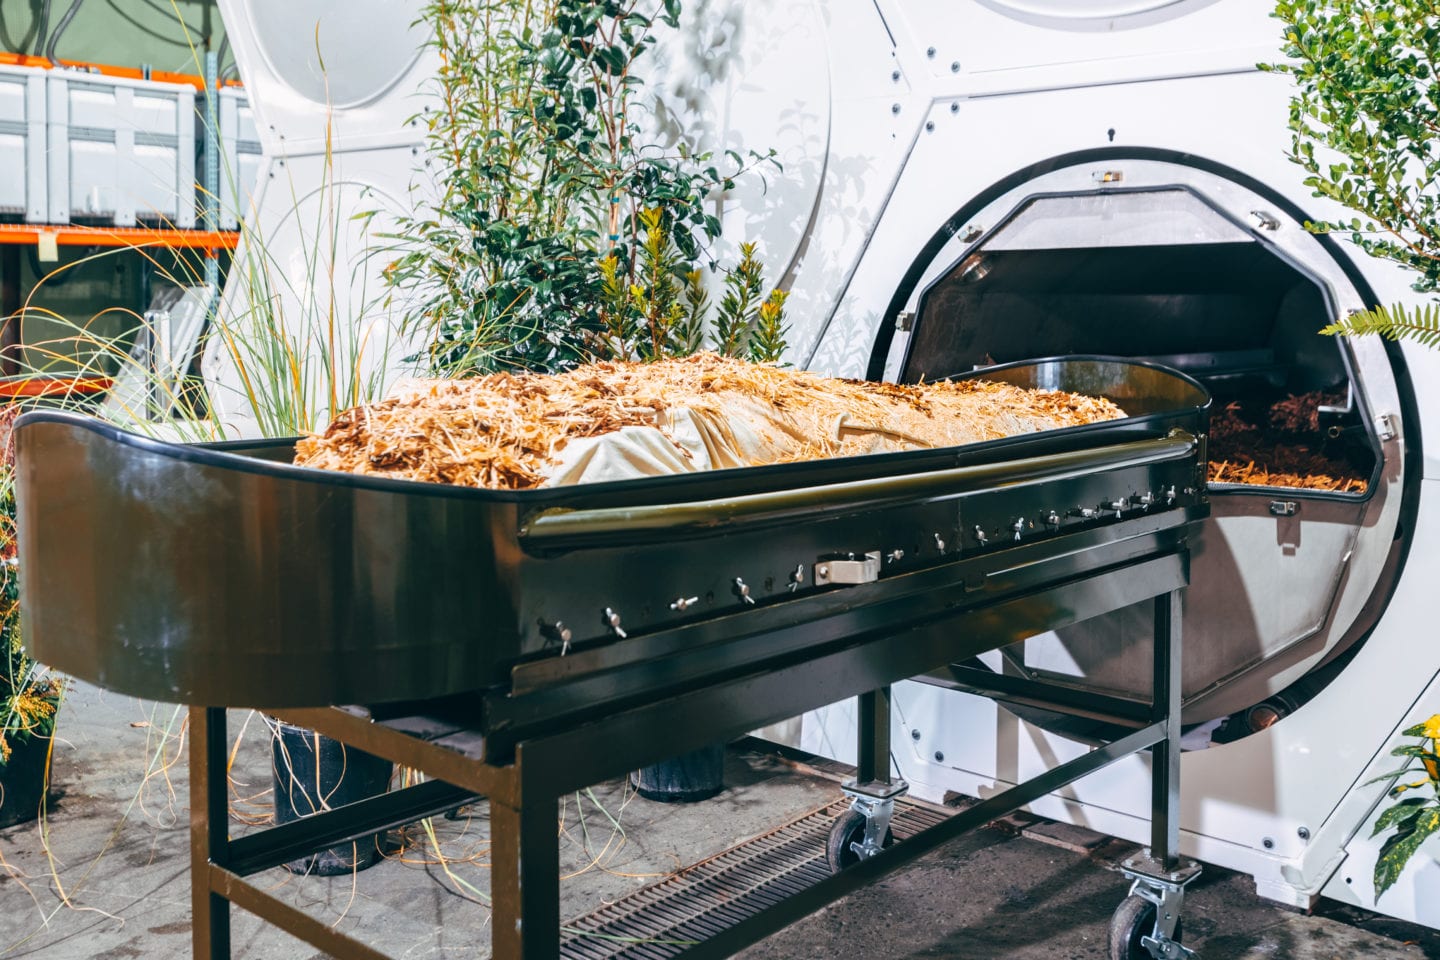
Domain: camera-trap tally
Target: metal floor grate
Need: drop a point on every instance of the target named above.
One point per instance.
(661, 920)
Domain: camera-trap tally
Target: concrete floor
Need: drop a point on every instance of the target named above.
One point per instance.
(112, 882)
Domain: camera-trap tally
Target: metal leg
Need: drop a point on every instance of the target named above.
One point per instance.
(525, 874)
(872, 793)
(209, 832)
(1160, 876)
(1165, 755)
(873, 736)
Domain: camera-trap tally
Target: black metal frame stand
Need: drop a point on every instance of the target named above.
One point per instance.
(523, 772)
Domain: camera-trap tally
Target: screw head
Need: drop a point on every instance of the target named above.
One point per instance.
(955, 107)
(1304, 833)
(939, 757)
(895, 75)
(1268, 843)
(930, 51)
(929, 126)
(894, 108)
(914, 734)
(955, 66)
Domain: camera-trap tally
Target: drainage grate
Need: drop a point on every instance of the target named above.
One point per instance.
(665, 918)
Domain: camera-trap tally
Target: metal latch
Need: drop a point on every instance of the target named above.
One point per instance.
(904, 320)
(848, 568)
(1264, 220)
(1284, 508)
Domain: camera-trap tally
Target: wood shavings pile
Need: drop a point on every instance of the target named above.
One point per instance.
(1282, 447)
(506, 431)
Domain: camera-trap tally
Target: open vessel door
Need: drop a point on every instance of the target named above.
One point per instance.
(1178, 265)
(355, 65)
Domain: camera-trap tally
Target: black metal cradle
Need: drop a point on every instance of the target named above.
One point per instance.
(520, 646)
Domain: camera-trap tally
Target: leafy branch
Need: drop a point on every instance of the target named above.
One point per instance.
(1415, 818)
(1421, 324)
(558, 234)
(1362, 123)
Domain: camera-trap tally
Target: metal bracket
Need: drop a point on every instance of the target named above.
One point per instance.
(876, 802)
(1166, 889)
(848, 568)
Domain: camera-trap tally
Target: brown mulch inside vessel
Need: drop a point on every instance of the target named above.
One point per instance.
(1279, 447)
(505, 431)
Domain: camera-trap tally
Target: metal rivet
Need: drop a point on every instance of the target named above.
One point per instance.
(895, 75)
(929, 126)
(1268, 843)
(930, 51)
(894, 108)
(955, 66)
(914, 734)
(955, 107)
(1304, 833)
(939, 757)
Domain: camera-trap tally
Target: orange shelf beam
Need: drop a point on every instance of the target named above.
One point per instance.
(76, 236)
(16, 388)
(109, 70)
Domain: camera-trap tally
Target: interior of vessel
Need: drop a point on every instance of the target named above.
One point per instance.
(1225, 309)
(1162, 275)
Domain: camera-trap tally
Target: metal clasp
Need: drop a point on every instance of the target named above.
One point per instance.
(848, 568)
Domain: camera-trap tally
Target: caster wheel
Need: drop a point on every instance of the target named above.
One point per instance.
(848, 829)
(1135, 918)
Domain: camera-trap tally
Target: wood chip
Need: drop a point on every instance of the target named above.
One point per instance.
(505, 431)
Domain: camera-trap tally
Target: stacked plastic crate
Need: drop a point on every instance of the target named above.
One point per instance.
(240, 154)
(23, 189)
(121, 151)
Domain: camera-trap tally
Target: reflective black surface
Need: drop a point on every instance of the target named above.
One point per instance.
(220, 575)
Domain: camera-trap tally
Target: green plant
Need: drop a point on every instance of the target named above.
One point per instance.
(1362, 122)
(559, 235)
(29, 694)
(1415, 817)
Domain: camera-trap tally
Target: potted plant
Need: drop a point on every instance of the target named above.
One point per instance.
(29, 695)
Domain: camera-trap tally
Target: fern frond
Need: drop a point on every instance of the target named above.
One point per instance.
(1420, 324)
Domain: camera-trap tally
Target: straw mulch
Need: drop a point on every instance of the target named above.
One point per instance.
(505, 431)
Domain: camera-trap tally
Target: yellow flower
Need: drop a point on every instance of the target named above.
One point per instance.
(1432, 727)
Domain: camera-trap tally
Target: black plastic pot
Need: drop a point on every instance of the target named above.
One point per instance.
(23, 780)
(687, 778)
(313, 773)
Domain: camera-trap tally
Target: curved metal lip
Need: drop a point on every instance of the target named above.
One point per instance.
(1180, 375)
(220, 455)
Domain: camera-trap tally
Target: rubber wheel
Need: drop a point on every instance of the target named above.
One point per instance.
(849, 828)
(1134, 919)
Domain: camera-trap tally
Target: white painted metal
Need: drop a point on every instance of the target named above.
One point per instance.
(333, 91)
(890, 116)
(120, 150)
(347, 72)
(309, 271)
(23, 190)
